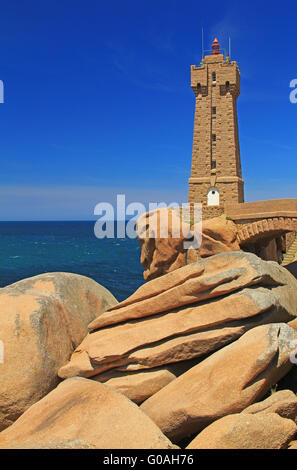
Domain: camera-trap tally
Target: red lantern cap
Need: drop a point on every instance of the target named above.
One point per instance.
(215, 47)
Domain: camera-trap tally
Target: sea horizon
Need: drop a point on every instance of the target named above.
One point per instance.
(32, 247)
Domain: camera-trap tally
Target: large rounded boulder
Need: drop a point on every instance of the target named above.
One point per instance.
(42, 320)
(84, 414)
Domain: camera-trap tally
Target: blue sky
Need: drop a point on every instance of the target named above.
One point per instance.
(98, 100)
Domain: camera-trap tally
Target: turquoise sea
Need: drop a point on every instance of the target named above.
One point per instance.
(30, 248)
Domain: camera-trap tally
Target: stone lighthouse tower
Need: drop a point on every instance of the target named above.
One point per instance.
(216, 169)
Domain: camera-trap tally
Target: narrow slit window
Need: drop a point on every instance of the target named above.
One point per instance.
(214, 137)
(214, 110)
(214, 77)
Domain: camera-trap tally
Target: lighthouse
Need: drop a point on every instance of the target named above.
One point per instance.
(216, 176)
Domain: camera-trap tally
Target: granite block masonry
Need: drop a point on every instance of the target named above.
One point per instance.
(216, 176)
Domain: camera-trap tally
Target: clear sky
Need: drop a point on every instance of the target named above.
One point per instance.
(98, 100)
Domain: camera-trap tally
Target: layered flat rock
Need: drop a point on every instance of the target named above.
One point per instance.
(140, 385)
(137, 386)
(215, 301)
(179, 335)
(206, 279)
(82, 413)
(239, 431)
(225, 383)
(42, 320)
(283, 403)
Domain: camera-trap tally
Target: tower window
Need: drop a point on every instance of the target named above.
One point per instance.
(214, 77)
(214, 110)
(213, 164)
(227, 86)
(214, 137)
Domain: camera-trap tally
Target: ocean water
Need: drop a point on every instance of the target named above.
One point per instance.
(31, 248)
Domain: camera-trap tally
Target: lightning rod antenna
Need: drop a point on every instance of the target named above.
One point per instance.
(202, 43)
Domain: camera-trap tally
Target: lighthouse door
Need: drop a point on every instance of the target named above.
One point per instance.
(213, 197)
